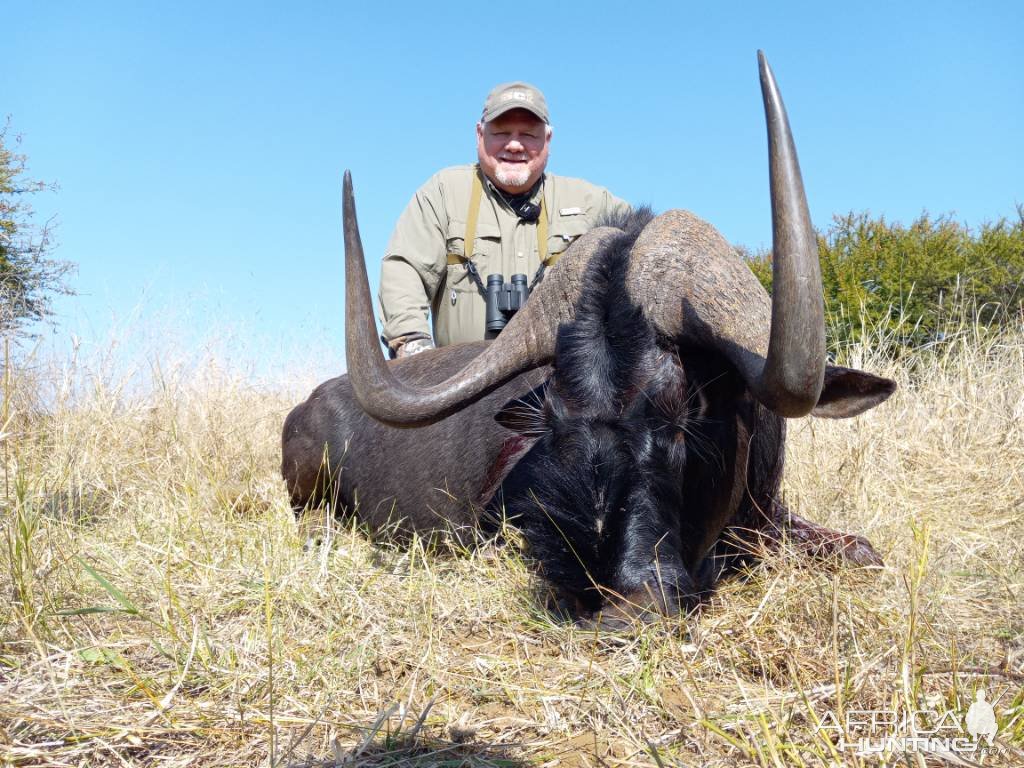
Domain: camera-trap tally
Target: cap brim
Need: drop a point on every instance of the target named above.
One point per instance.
(508, 107)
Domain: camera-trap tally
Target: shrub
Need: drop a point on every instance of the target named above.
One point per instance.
(29, 278)
(909, 279)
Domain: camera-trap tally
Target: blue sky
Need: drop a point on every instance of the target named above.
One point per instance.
(199, 147)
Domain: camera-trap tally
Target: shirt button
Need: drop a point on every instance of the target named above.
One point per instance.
(519, 254)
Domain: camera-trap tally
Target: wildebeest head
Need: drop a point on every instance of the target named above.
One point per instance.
(636, 445)
(609, 426)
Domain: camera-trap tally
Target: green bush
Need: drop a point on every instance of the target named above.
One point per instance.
(907, 283)
(28, 276)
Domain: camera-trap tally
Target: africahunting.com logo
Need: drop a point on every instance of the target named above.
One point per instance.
(929, 731)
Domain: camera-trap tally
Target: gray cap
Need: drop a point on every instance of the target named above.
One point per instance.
(517, 95)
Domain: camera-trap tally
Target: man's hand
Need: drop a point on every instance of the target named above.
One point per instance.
(413, 344)
(414, 347)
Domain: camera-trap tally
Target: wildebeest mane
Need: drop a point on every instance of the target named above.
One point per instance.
(630, 220)
(600, 355)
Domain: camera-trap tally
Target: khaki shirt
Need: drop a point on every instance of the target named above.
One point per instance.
(417, 281)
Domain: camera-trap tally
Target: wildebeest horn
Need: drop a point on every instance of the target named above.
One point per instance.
(528, 340)
(696, 290)
(795, 369)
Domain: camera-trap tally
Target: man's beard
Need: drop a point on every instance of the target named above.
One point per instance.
(515, 176)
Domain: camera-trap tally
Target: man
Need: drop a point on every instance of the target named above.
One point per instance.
(515, 219)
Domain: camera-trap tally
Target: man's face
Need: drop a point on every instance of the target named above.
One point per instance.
(513, 150)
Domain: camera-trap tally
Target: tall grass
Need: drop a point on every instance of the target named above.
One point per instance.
(159, 608)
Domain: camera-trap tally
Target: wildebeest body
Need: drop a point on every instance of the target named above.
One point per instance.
(635, 455)
(424, 480)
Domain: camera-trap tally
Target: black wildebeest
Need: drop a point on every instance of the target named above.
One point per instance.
(659, 427)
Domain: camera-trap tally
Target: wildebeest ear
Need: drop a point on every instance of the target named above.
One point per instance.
(848, 392)
(526, 415)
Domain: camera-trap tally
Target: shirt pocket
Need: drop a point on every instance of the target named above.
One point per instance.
(564, 230)
(486, 254)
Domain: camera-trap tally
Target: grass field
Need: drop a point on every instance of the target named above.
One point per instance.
(158, 607)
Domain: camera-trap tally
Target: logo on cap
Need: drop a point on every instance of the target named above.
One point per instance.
(518, 96)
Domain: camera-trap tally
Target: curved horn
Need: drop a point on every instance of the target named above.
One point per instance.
(528, 340)
(795, 368)
(696, 290)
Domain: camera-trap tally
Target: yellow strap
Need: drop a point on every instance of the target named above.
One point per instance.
(542, 238)
(469, 238)
(542, 232)
(471, 216)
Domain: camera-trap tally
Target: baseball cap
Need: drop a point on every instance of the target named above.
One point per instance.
(517, 95)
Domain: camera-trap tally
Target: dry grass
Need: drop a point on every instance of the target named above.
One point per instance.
(158, 607)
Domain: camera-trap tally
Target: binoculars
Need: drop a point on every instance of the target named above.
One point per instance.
(504, 299)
